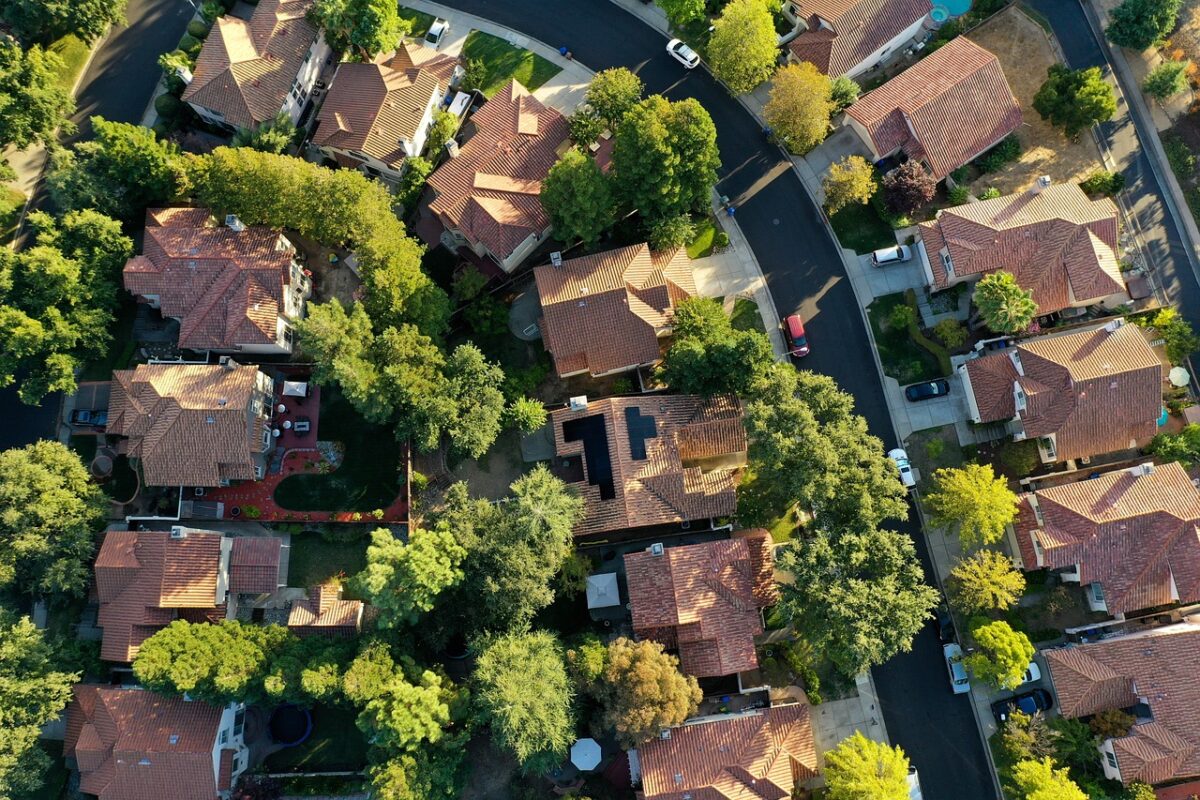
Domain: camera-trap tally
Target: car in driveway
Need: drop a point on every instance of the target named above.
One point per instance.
(436, 33)
(900, 459)
(1027, 703)
(960, 682)
(927, 390)
(797, 339)
(891, 255)
(1032, 675)
(683, 54)
(89, 419)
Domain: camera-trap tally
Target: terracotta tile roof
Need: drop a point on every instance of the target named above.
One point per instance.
(189, 424)
(1058, 244)
(133, 744)
(701, 600)
(860, 27)
(324, 613)
(605, 312)
(653, 460)
(944, 110)
(756, 756)
(246, 69)
(254, 564)
(226, 288)
(490, 190)
(1154, 666)
(1097, 391)
(144, 579)
(374, 107)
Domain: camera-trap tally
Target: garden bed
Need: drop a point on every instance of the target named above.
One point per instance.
(902, 357)
(502, 62)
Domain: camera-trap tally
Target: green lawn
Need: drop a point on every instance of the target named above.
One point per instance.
(702, 245)
(860, 228)
(757, 507)
(74, 53)
(314, 560)
(419, 19)
(368, 477)
(12, 202)
(502, 62)
(746, 317)
(903, 359)
(336, 745)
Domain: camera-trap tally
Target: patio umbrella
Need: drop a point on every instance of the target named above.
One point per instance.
(602, 590)
(1179, 376)
(585, 754)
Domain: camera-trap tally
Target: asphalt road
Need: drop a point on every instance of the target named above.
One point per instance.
(805, 272)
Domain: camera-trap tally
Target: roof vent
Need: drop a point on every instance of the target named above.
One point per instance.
(556, 258)
(665, 733)
(1142, 470)
(678, 778)
(222, 401)
(178, 532)
(657, 549)
(233, 223)
(145, 762)
(210, 420)
(579, 402)
(173, 738)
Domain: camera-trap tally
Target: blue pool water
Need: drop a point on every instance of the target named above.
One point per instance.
(945, 9)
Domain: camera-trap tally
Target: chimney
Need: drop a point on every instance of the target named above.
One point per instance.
(233, 223)
(1041, 185)
(451, 148)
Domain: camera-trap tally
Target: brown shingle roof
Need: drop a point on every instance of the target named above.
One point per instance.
(758, 756)
(860, 27)
(693, 448)
(946, 109)
(246, 69)
(133, 744)
(1155, 666)
(702, 600)
(254, 564)
(324, 613)
(226, 288)
(1098, 391)
(491, 190)
(189, 424)
(605, 311)
(1058, 244)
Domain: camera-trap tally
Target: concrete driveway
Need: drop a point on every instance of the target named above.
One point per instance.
(925, 414)
(843, 142)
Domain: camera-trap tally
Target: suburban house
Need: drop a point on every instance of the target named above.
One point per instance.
(378, 114)
(1079, 394)
(943, 111)
(704, 600)
(197, 425)
(849, 37)
(233, 288)
(249, 71)
(607, 313)
(147, 579)
(763, 753)
(325, 613)
(487, 195)
(1128, 536)
(1151, 675)
(132, 744)
(1056, 243)
(658, 460)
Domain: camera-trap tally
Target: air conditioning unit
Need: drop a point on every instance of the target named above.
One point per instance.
(657, 549)
(665, 733)
(233, 223)
(178, 532)
(556, 258)
(578, 402)
(1112, 326)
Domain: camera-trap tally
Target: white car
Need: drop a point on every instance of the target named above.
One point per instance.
(891, 255)
(914, 785)
(900, 458)
(436, 33)
(1034, 673)
(960, 682)
(683, 54)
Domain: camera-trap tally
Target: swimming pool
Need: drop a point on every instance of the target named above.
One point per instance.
(945, 9)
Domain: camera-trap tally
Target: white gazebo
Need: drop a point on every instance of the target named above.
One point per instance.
(602, 590)
(585, 754)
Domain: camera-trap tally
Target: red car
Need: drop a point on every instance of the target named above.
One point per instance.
(797, 341)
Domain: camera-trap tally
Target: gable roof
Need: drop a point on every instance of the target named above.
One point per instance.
(226, 287)
(1156, 667)
(860, 27)
(760, 755)
(246, 69)
(605, 311)
(254, 564)
(1057, 243)
(189, 424)
(374, 107)
(133, 744)
(944, 110)
(325, 613)
(651, 460)
(1097, 391)
(704, 600)
(491, 190)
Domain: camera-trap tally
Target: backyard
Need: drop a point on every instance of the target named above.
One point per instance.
(317, 557)
(500, 62)
(336, 744)
(903, 358)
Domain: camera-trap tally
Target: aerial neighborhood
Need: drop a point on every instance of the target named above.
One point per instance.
(649, 400)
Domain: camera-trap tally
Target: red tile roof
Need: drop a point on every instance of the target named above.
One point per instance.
(1057, 243)
(1097, 391)
(760, 755)
(324, 613)
(1154, 666)
(860, 28)
(226, 287)
(254, 564)
(133, 744)
(944, 110)
(703, 600)
(490, 191)
(605, 312)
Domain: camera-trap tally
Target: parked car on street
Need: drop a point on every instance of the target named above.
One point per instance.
(927, 390)
(1027, 703)
(960, 682)
(943, 623)
(797, 340)
(900, 458)
(436, 33)
(89, 419)
(683, 54)
(891, 255)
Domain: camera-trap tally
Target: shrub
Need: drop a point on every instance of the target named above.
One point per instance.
(960, 175)
(1181, 340)
(668, 232)
(1019, 459)
(1182, 162)
(210, 10)
(419, 482)
(197, 29)
(908, 188)
(721, 240)
(950, 332)
(1167, 79)
(1006, 150)
(990, 193)
(251, 511)
(1111, 723)
(958, 195)
(1103, 182)
(902, 316)
(190, 45)
(586, 126)
(167, 106)
(843, 91)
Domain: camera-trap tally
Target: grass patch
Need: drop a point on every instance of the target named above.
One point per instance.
(314, 559)
(902, 358)
(336, 745)
(74, 54)
(745, 316)
(502, 62)
(419, 19)
(12, 203)
(702, 245)
(368, 477)
(695, 33)
(859, 227)
(758, 507)
(934, 449)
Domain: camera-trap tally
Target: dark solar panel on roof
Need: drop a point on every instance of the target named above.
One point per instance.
(594, 434)
(640, 429)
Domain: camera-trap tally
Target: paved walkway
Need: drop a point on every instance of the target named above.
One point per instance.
(836, 720)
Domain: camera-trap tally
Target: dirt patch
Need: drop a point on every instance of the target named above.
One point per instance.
(1026, 54)
(491, 771)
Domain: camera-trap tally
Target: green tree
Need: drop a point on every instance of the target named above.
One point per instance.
(430, 773)
(863, 769)
(1039, 780)
(709, 356)
(1003, 304)
(907, 188)
(523, 693)
(974, 500)
(1023, 737)
(985, 581)
(1003, 656)
(1075, 99)
(587, 658)
(641, 691)
(682, 12)
(577, 198)
(1111, 723)
(361, 28)
(1183, 446)
(416, 172)
(1177, 332)
(414, 709)
(1167, 79)
(743, 46)
(94, 241)
(843, 92)
(340, 343)
(307, 670)
(612, 92)
(369, 674)
(272, 136)
(849, 181)
(444, 126)
(33, 105)
(526, 415)
(473, 386)
(669, 233)
(43, 21)
(1139, 24)
(586, 126)
(951, 333)
(403, 579)
(800, 104)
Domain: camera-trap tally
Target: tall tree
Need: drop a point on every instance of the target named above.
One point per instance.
(709, 356)
(577, 198)
(403, 579)
(1039, 780)
(416, 708)
(1003, 655)
(1003, 304)
(907, 188)
(682, 12)
(985, 581)
(361, 28)
(863, 769)
(642, 691)
(33, 105)
(307, 670)
(974, 500)
(849, 181)
(473, 386)
(43, 21)
(612, 92)
(1075, 99)
(799, 106)
(1167, 79)
(1183, 446)
(743, 46)
(1177, 333)
(1139, 24)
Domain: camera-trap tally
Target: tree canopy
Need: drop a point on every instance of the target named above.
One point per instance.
(1183, 446)
(43, 21)
(800, 104)
(985, 581)
(907, 188)
(743, 46)
(33, 105)
(974, 500)
(361, 28)
(682, 11)
(1167, 79)
(863, 769)
(577, 198)
(641, 691)
(1037, 779)
(1003, 655)
(1139, 24)
(1075, 99)
(709, 356)
(1177, 333)
(403, 579)
(612, 92)
(1003, 304)
(849, 181)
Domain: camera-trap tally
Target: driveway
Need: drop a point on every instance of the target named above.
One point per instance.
(844, 142)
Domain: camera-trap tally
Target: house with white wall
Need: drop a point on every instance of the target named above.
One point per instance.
(850, 37)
